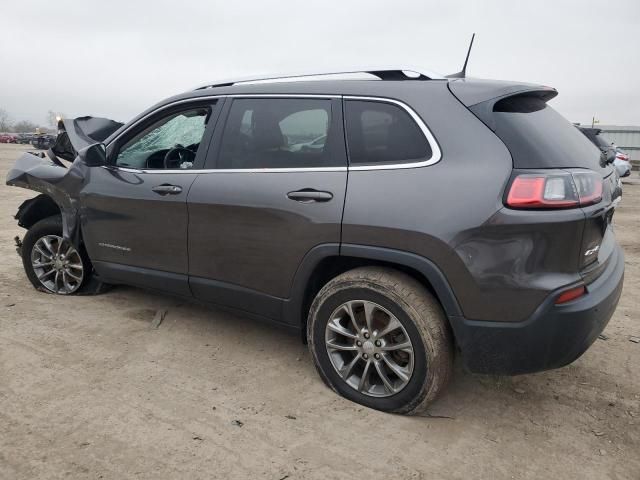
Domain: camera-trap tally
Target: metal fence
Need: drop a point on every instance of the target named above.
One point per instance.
(625, 137)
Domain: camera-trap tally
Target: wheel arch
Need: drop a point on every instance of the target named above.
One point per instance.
(35, 209)
(325, 262)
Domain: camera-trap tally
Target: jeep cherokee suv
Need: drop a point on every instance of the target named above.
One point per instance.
(432, 215)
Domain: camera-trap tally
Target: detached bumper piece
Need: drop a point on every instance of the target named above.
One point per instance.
(18, 245)
(554, 336)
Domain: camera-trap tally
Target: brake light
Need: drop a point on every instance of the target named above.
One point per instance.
(623, 157)
(571, 294)
(555, 190)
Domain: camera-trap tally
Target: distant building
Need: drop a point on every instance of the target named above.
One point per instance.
(626, 138)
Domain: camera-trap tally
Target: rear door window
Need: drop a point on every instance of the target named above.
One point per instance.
(380, 133)
(280, 133)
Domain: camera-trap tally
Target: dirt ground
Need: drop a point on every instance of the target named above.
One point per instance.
(88, 389)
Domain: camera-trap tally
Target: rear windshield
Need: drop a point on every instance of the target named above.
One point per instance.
(539, 137)
(601, 142)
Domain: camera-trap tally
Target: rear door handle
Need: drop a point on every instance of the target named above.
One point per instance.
(166, 189)
(308, 195)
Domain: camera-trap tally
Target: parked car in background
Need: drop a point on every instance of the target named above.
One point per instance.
(412, 231)
(621, 161)
(8, 138)
(25, 138)
(43, 141)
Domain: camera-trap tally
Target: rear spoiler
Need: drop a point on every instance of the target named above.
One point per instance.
(480, 96)
(471, 91)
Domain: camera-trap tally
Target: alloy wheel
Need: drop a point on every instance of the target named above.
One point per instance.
(369, 348)
(57, 264)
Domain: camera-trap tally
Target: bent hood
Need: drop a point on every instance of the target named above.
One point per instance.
(78, 133)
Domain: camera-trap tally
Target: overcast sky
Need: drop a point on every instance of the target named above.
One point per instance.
(115, 58)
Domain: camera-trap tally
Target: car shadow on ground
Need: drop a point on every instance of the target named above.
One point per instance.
(537, 398)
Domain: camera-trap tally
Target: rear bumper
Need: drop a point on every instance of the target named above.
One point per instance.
(554, 336)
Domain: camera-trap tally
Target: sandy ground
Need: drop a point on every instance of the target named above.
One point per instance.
(89, 390)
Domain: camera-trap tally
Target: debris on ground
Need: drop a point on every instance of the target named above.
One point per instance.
(519, 390)
(290, 417)
(197, 437)
(237, 423)
(602, 336)
(634, 339)
(157, 320)
(428, 415)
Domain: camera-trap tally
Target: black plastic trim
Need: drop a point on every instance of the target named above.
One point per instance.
(423, 265)
(237, 297)
(554, 336)
(175, 283)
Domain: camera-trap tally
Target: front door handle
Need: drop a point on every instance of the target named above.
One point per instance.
(166, 189)
(308, 195)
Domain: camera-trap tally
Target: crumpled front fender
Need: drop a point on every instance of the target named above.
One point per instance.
(62, 185)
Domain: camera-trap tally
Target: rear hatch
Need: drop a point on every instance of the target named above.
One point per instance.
(542, 142)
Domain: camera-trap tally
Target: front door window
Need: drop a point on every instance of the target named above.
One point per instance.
(170, 143)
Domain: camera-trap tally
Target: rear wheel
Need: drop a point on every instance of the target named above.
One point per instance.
(379, 338)
(51, 263)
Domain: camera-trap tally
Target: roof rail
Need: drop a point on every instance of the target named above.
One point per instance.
(383, 73)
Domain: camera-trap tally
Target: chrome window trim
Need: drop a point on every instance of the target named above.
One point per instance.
(227, 170)
(436, 153)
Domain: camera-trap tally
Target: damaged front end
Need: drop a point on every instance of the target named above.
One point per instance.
(79, 142)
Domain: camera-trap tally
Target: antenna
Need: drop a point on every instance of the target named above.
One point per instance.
(463, 72)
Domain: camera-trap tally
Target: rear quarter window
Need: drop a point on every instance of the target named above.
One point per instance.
(380, 133)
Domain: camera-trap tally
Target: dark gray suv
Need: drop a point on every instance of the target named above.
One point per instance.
(391, 217)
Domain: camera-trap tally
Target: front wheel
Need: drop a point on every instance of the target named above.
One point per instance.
(51, 263)
(379, 338)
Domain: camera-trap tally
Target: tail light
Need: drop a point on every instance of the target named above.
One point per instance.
(622, 156)
(555, 190)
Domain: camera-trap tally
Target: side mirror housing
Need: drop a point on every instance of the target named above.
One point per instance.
(94, 155)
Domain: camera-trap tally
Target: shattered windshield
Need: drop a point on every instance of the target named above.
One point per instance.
(184, 129)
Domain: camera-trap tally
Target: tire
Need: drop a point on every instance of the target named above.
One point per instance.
(48, 228)
(386, 294)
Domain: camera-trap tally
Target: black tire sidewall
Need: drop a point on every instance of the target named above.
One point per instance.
(49, 226)
(411, 392)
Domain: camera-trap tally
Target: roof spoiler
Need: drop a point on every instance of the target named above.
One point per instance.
(473, 91)
(482, 96)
